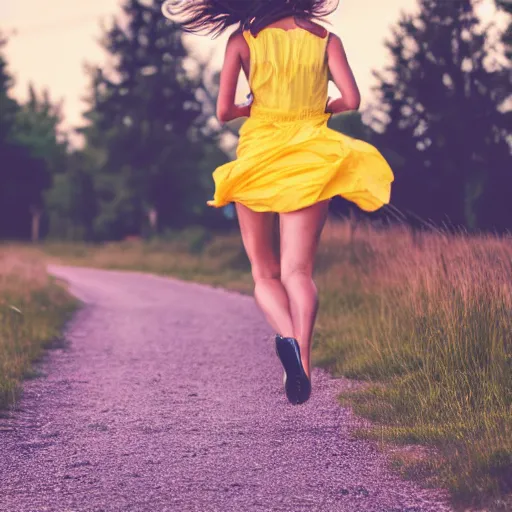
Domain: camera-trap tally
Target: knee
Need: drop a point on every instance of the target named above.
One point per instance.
(296, 271)
(266, 271)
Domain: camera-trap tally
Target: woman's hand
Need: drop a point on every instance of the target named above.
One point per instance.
(242, 111)
(337, 106)
(237, 111)
(234, 112)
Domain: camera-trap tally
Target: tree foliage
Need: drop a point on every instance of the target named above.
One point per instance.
(440, 109)
(147, 122)
(24, 161)
(442, 121)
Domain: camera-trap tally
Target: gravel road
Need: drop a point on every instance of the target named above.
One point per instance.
(168, 397)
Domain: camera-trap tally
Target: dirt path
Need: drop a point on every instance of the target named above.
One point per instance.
(169, 398)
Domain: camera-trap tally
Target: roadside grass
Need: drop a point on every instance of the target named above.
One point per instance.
(33, 310)
(428, 323)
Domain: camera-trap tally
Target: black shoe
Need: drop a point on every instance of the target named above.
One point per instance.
(296, 383)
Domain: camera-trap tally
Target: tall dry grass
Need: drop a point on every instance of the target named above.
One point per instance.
(425, 320)
(32, 311)
(428, 320)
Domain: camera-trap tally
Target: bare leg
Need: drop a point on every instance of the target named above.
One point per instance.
(257, 236)
(300, 233)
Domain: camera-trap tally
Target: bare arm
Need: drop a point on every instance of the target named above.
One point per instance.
(226, 108)
(343, 78)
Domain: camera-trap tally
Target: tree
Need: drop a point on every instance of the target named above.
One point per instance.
(440, 111)
(494, 207)
(37, 130)
(71, 203)
(145, 120)
(506, 6)
(23, 174)
(8, 107)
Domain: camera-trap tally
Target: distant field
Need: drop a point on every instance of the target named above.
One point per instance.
(33, 309)
(426, 321)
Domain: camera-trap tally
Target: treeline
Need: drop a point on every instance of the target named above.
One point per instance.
(151, 140)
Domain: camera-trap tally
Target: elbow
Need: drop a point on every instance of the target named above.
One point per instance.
(354, 102)
(223, 114)
(222, 117)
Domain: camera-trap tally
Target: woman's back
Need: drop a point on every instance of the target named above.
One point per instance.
(288, 71)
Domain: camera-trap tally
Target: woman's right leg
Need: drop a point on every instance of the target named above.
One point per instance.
(257, 230)
(300, 234)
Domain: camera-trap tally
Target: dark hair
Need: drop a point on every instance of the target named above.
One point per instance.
(215, 16)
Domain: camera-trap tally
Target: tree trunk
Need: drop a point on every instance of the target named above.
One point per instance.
(36, 223)
(153, 220)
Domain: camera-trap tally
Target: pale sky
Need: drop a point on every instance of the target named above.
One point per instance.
(55, 38)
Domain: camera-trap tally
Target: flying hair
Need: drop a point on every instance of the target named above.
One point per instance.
(213, 17)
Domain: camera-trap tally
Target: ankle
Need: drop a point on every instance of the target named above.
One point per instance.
(285, 334)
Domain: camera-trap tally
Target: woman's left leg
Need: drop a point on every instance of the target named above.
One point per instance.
(257, 230)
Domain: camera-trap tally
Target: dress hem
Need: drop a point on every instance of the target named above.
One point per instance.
(266, 209)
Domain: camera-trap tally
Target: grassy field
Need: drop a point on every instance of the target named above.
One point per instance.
(33, 309)
(425, 321)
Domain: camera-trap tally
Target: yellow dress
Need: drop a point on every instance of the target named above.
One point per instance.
(287, 157)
